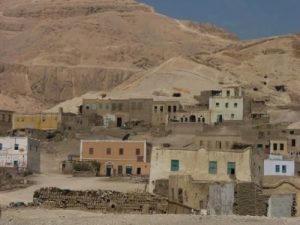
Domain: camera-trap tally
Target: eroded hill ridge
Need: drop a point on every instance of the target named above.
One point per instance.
(55, 50)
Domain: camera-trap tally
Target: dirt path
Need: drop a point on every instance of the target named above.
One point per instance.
(72, 217)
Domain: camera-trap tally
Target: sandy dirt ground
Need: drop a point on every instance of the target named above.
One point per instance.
(67, 182)
(72, 217)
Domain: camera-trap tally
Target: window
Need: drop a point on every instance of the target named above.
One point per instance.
(218, 144)
(108, 151)
(281, 147)
(133, 106)
(100, 106)
(213, 167)
(292, 132)
(228, 93)
(231, 168)
(277, 168)
(1, 146)
(293, 142)
(121, 151)
(155, 108)
(174, 108)
(283, 168)
(208, 144)
(16, 146)
(140, 105)
(138, 151)
(169, 108)
(217, 104)
(232, 116)
(113, 106)
(235, 105)
(91, 151)
(259, 146)
(274, 146)
(161, 108)
(94, 106)
(227, 144)
(174, 165)
(226, 105)
(201, 143)
(120, 106)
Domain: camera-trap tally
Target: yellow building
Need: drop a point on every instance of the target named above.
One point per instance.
(40, 121)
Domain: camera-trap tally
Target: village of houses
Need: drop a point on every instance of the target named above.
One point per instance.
(221, 156)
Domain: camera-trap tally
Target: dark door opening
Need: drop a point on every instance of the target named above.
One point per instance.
(220, 119)
(192, 119)
(120, 170)
(109, 170)
(119, 122)
(138, 171)
(16, 163)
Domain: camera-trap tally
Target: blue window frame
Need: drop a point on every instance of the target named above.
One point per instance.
(277, 168)
(174, 165)
(231, 168)
(283, 168)
(213, 167)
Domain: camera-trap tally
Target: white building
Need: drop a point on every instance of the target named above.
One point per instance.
(276, 166)
(226, 104)
(20, 152)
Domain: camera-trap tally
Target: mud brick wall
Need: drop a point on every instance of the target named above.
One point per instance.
(104, 200)
(249, 200)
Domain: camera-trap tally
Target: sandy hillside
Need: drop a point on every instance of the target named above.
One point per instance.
(258, 66)
(54, 50)
(70, 217)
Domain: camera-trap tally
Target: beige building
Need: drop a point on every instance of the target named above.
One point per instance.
(5, 121)
(117, 157)
(226, 104)
(279, 147)
(192, 116)
(118, 112)
(293, 136)
(208, 165)
(164, 111)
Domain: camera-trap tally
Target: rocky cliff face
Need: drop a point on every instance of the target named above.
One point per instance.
(53, 50)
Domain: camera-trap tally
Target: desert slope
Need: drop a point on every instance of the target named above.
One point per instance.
(54, 50)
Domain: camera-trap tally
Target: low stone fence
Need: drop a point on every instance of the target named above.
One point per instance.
(103, 200)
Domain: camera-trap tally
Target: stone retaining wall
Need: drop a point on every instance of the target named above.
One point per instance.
(103, 200)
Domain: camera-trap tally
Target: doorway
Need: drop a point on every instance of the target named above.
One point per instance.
(128, 170)
(220, 118)
(109, 170)
(16, 163)
(192, 118)
(138, 171)
(119, 121)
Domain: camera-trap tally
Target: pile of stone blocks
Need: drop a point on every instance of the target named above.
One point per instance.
(103, 200)
(249, 200)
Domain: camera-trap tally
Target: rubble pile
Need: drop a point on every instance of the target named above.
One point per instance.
(104, 200)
